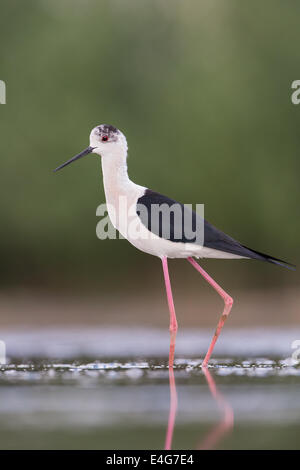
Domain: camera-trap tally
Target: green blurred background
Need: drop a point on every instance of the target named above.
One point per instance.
(202, 90)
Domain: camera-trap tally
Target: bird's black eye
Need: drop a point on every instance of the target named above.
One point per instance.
(105, 138)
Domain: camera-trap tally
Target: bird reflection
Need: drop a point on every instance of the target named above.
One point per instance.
(173, 395)
(219, 431)
(173, 410)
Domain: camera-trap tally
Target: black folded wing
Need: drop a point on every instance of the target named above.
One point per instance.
(213, 238)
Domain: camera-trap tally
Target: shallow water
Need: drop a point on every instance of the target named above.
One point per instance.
(58, 390)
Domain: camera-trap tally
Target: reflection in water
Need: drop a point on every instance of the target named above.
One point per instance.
(219, 431)
(104, 402)
(173, 410)
(226, 423)
(173, 393)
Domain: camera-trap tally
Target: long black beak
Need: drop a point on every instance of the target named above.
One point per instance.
(81, 154)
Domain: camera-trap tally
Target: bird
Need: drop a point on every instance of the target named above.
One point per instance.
(161, 236)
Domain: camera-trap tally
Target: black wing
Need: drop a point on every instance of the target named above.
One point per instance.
(213, 238)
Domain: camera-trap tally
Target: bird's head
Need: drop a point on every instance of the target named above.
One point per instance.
(106, 141)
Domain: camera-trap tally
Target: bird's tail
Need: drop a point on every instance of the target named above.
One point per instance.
(271, 259)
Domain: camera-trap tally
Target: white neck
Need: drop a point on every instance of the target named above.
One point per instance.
(115, 176)
(117, 185)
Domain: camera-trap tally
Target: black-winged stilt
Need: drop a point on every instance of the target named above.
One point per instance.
(161, 238)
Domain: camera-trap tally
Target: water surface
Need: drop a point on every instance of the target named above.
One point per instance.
(111, 389)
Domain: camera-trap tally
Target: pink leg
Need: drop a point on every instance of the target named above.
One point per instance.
(173, 321)
(228, 304)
